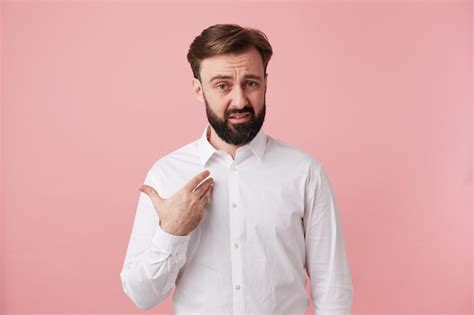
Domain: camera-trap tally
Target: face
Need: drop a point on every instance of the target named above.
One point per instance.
(233, 89)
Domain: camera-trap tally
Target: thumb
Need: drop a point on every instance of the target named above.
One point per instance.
(152, 193)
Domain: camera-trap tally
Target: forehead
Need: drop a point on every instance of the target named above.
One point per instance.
(249, 62)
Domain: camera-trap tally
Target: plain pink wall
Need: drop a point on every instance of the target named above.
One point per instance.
(94, 92)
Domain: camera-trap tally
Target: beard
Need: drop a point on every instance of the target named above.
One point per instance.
(236, 134)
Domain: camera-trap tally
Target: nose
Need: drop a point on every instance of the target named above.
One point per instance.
(239, 99)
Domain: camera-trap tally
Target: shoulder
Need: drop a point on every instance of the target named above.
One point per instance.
(186, 154)
(292, 154)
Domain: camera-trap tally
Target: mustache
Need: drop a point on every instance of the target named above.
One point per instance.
(241, 111)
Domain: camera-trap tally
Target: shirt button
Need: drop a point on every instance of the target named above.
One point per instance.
(236, 245)
(234, 205)
(234, 168)
(237, 287)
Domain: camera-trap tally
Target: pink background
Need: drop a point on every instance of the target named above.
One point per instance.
(93, 92)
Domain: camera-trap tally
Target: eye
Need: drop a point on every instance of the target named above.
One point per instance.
(252, 82)
(220, 84)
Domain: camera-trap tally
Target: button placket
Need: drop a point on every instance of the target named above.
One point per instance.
(235, 218)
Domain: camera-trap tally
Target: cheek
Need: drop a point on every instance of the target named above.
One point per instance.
(258, 98)
(218, 109)
(257, 102)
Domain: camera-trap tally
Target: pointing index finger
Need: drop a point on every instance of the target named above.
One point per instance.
(190, 185)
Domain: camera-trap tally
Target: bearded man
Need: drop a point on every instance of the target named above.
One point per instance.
(236, 219)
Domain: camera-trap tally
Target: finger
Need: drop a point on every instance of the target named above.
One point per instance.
(196, 180)
(203, 187)
(205, 198)
(208, 192)
(151, 192)
(203, 203)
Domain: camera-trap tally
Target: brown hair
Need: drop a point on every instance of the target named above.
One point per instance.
(227, 39)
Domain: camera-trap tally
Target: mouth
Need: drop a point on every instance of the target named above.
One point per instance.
(239, 118)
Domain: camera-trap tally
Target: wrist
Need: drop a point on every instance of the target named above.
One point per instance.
(170, 229)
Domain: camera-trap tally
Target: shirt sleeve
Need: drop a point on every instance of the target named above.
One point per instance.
(153, 257)
(326, 260)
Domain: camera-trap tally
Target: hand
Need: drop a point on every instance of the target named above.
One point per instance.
(182, 212)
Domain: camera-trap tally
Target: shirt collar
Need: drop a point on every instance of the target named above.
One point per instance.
(206, 149)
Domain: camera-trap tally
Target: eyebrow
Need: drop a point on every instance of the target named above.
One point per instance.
(247, 76)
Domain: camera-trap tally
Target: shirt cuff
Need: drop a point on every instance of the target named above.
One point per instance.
(173, 244)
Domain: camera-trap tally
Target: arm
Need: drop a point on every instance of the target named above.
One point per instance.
(153, 256)
(326, 260)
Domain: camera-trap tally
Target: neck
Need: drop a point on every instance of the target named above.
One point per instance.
(220, 144)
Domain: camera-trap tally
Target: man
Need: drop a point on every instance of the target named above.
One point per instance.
(237, 241)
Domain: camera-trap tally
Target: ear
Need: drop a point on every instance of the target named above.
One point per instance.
(197, 87)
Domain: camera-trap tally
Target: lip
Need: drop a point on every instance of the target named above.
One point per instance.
(245, 118)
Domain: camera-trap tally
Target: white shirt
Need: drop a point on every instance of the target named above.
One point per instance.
(271, 215)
